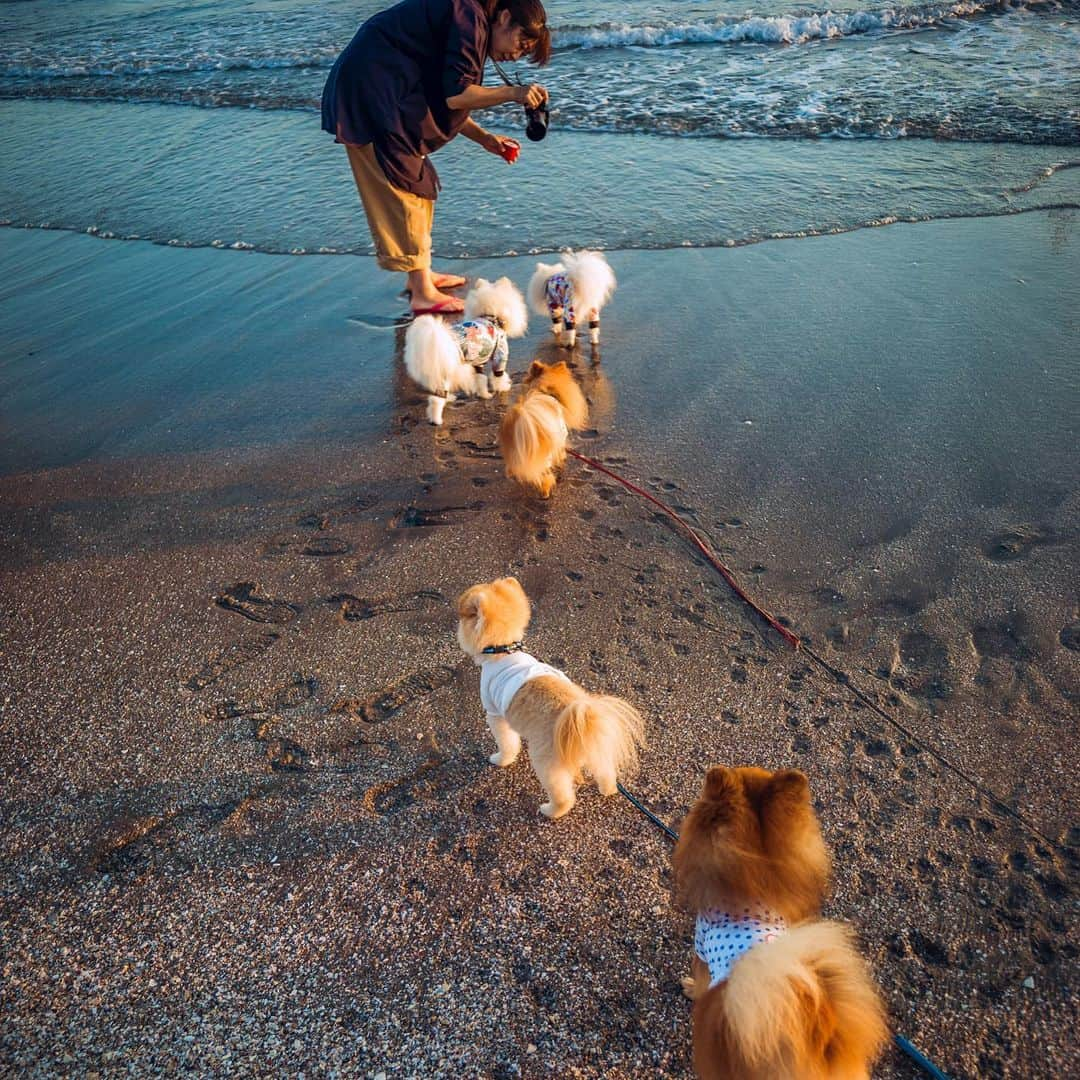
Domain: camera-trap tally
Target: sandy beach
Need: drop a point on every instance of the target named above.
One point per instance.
(249, 824)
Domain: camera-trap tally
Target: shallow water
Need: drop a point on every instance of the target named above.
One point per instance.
(272, 181)
(953, 108)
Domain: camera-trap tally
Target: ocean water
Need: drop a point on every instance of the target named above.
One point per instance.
(694, 124)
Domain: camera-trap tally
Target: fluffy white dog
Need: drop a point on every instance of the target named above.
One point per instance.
(579, 286)
(444, 358)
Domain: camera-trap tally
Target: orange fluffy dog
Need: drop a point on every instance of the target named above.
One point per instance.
(569, 730)
(776, 995)
(533, 432)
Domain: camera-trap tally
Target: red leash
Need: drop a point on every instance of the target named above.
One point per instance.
(788, 635)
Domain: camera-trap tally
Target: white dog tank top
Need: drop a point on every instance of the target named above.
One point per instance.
(501, 679)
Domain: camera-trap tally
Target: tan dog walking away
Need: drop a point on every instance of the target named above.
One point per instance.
(569, 731)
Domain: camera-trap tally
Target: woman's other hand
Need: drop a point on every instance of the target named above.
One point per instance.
(530, 96)
(508, 149)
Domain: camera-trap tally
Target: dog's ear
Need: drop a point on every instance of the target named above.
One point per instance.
(720, 783)
(535, 369)
(788, 785)
(470, 602)
(481, 283)
(512, 585)
(785, 813)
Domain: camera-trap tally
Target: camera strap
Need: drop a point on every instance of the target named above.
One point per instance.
(502, 74)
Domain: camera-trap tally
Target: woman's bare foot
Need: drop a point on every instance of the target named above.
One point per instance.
(424, 295)
(447, 281)
(438, 303)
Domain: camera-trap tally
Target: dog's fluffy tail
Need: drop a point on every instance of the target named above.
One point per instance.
(800, 1006)
(593, 278)
(432, 357)
(532, 438)
(537, 290)
(601, 734)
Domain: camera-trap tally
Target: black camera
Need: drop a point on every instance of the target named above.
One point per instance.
(536, 123)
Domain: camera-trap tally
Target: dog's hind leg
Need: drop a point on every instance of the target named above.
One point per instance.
(570, 333)
(559, 784)
(594, 328)
(556, 321)
(480, 384)
(605, 778)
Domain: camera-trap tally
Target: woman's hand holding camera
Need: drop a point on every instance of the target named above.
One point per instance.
(531, 96)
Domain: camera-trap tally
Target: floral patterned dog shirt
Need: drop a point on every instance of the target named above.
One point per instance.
(480, 340)
(559, 293)
(721, 937)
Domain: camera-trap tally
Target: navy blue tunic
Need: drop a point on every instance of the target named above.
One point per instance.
(389, 87)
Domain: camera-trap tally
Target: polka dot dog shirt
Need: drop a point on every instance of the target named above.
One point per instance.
(721, 937)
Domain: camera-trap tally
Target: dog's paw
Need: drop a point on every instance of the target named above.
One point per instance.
(550, 810)
(502, 760)
(501, 383)
(689, 987)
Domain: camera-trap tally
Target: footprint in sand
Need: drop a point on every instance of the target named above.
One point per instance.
(1006, 638)
(426, 517)
(1015, 543)
(356, 608)
(920, 666)
(320, 520)
(293, 693)
(323, 546)
(430, 779)
(137, 842)
(230, 658)
(245, 599)
(475, 449)
(1070, 636)
(317, 547)
(388, 702)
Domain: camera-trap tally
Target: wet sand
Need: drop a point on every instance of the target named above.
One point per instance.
(250, 824)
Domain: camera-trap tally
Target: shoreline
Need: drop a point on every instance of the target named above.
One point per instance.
(273, 801)
(274, 181)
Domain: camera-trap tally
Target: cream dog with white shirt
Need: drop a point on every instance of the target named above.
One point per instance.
(568, 730)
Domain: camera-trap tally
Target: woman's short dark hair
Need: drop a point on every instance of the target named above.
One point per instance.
(532, 18)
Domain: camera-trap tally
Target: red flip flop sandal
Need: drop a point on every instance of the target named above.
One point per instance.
(443, 307)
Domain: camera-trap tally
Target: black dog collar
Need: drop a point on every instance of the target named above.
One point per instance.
(514, 646)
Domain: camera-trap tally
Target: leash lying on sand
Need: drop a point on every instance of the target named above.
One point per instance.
(788, 635)
(835, 673)
(839, 676)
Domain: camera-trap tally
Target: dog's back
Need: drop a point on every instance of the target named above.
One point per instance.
(532, 440)
(801, 1007)
(558, 380)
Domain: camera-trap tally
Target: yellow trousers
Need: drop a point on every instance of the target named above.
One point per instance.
(400, 222)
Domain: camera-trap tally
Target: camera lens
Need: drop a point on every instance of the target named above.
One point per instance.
(537, 125)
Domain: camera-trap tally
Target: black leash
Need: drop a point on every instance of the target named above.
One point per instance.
(648, 813)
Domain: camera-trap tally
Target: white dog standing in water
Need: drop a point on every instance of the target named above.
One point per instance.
(577, 287)
(446, 358)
